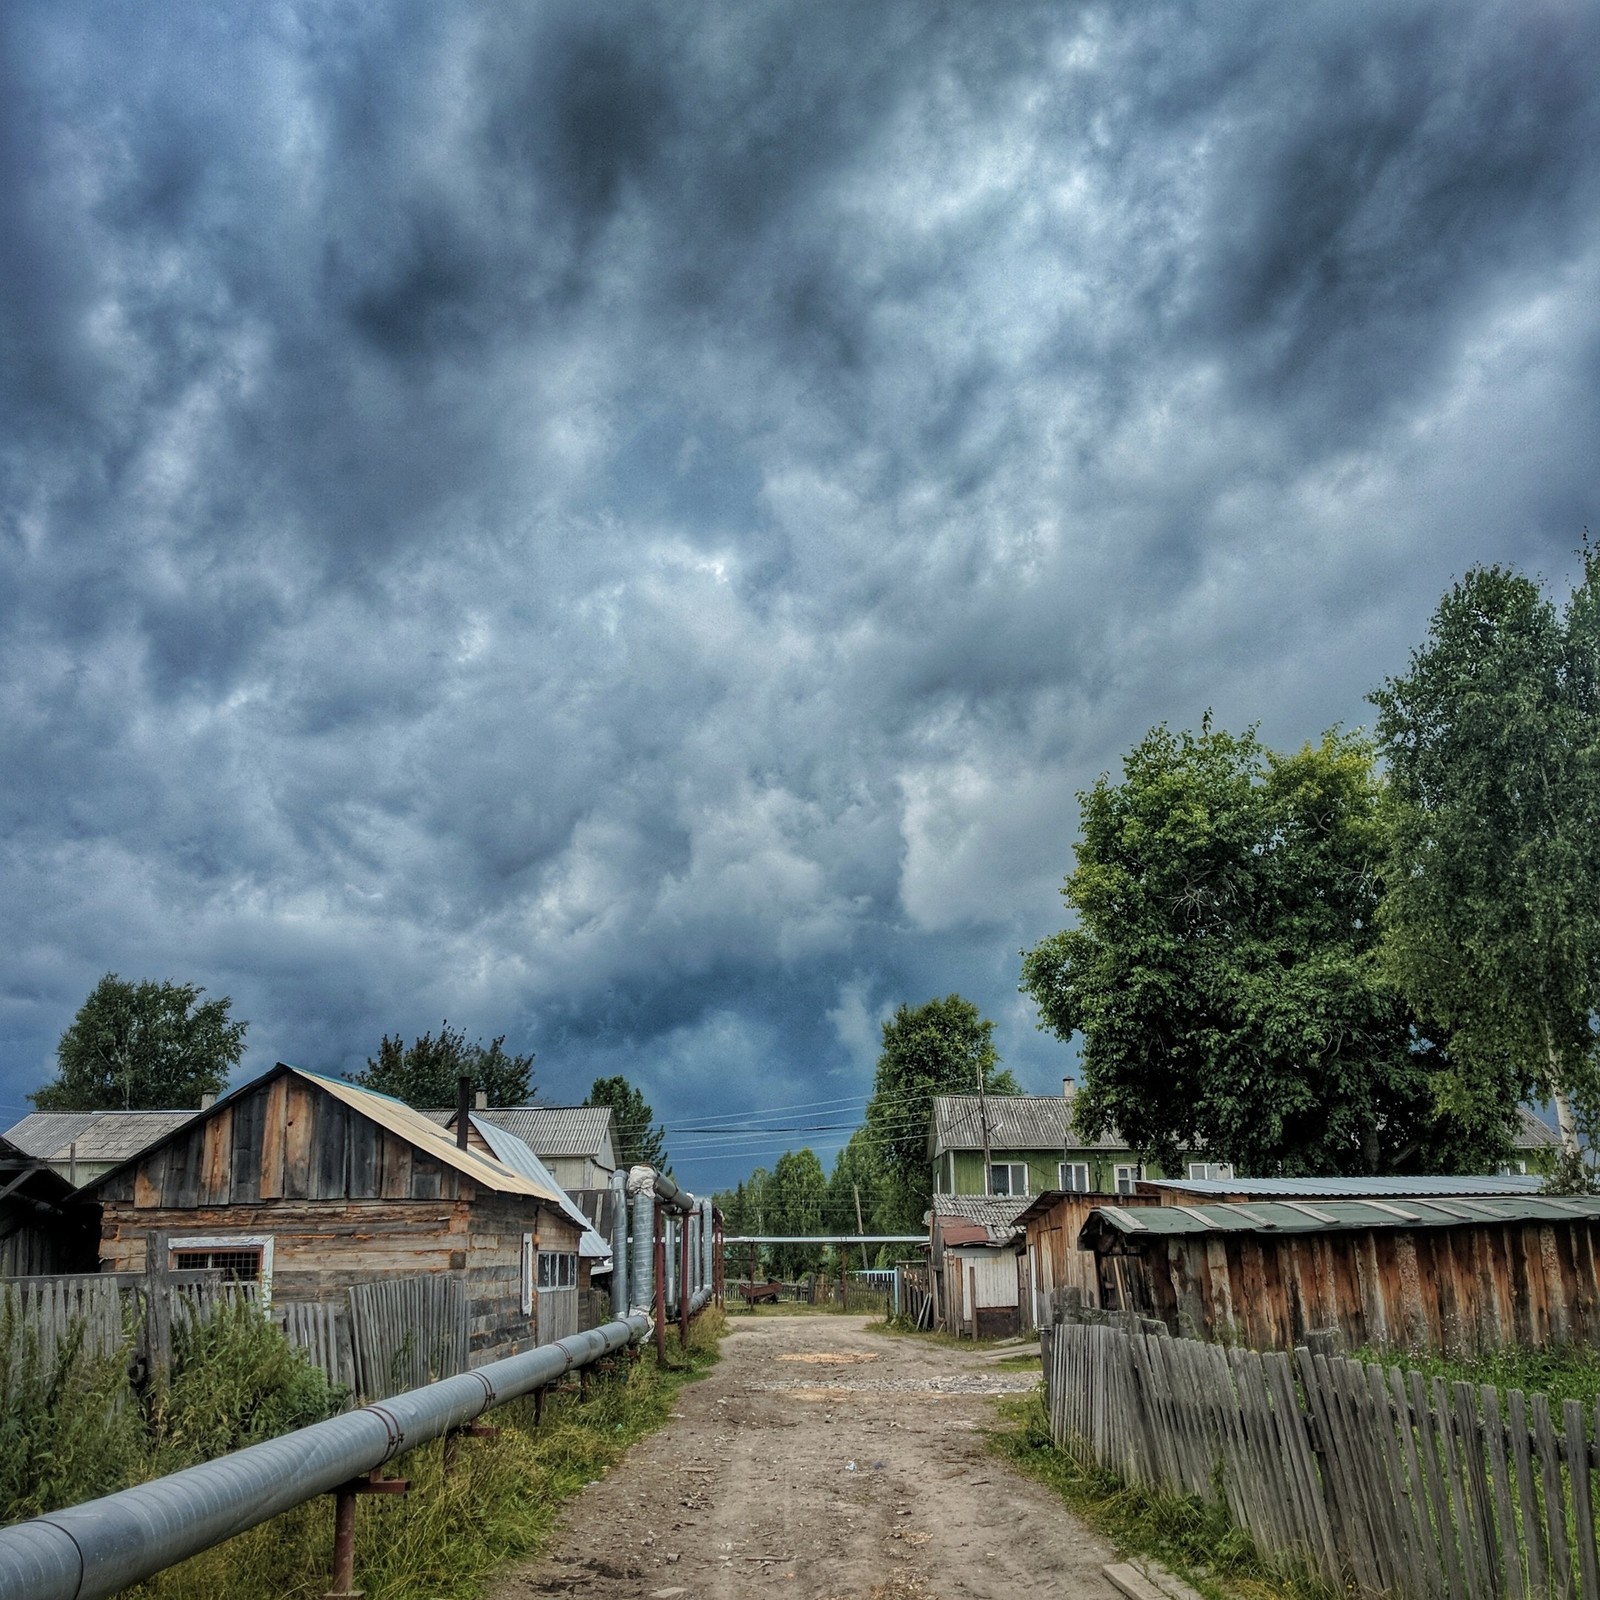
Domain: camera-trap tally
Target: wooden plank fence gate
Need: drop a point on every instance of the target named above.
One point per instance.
(1366, 1476)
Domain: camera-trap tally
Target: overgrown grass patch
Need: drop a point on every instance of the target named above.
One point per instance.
(1564, 1372)
(495, 1501)
(1187, 1536)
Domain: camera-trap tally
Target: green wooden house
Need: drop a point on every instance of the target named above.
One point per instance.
(1032, 1147)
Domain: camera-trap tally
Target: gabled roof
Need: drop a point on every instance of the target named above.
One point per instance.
(1305, 1216)
(99, 1135)
(551, 1131)
(393, 1115)
(1015, 1121)
(1534, 1133)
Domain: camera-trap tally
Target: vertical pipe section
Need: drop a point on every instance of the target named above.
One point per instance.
(644, 1231)
(619, 1243)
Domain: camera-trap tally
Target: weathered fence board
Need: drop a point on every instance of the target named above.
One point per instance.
(406, 1332)
(1369, 1478)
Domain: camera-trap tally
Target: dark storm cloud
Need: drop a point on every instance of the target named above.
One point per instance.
(628, 528)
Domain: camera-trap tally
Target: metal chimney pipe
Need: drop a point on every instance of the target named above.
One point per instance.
(463, 1110)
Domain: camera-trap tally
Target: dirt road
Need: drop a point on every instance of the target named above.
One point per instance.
(819, 1461)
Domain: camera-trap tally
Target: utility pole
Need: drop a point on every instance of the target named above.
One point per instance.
(855, 1189)
(983, 1118)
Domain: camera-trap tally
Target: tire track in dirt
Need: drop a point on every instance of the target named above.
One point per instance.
(822, 1462)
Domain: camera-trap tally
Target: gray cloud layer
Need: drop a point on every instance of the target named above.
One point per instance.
(629, 530)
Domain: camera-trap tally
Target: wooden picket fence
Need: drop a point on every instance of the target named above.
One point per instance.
(1368, 1477)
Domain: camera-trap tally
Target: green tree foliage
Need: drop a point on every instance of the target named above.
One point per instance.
(859, 1187)
(1223, 974)
(143, 1046)
(639, 1139)
(943, 1047)
(796, 1197)
(1492, 915)
(425, 1074)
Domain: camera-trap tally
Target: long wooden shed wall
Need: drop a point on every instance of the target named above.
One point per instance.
(1471, 1288)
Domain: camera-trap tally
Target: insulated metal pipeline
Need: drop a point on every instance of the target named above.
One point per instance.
(619, 1243)
(644, 1262)
(92, 1550)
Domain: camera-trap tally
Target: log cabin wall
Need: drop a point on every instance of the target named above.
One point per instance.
(344, 1201)
(1469, 1289)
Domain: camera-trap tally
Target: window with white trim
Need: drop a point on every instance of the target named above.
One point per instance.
(1075, 1177)
(1008, 1178)
(240, 1257)
(1210, 1169)
(1128, 1177)
(558, 1269)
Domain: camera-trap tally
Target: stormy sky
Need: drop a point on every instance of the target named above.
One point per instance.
(627, 525)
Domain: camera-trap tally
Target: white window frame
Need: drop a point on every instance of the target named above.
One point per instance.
(1009, 1168)
(1126, 1176)
(527, 1274)
(1513, 1169)
(1221, 1171)
(231, 1241)
(563, 1266)
(1072, 1168)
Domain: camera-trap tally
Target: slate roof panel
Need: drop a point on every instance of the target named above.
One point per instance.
(99, 1135)
(42, 1133)
(1353, 1188)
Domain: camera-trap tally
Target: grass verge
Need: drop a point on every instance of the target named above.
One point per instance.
(1194, 1540)
(496, 1501)
(1564, 1372)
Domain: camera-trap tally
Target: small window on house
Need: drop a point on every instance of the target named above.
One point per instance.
(1127, 1178)
(1009, 1178)
(238, 1266)
(1075, 1177)
(1210, 1169)
(558, 1269)
(1513, 1169)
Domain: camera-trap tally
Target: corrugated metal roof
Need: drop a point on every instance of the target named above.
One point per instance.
(99, 1135)
(1534, 1133)
(1016, 1122)
(510, 1151)
(42, 1133)
(428, 1136)
(548, 1130)
(1354, 1188)
(1288, 1216)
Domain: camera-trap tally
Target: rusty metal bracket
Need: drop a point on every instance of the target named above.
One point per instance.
(344, 1529)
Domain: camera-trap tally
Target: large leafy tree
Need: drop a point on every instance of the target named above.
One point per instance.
(796, 1200)
(1492, 916)
(1223, 973)
(143, 1046)
(638, 1138)
(425, 1073)
(942, 1047)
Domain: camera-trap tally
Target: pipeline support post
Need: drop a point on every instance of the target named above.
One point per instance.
(344, 1529)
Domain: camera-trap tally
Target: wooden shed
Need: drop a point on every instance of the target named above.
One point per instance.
(973, 1255)
(1052, 1269)
(310, 1185)
(44, 1228)
(1467, 1274)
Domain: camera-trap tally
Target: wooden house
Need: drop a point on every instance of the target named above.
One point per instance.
(1464, 1273)
(310, 1185)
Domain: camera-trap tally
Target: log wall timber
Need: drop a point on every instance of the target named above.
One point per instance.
(1473, 1288)
(344, 1200)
